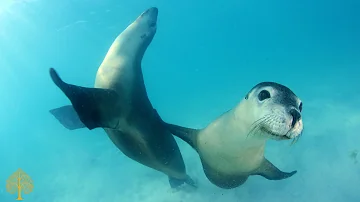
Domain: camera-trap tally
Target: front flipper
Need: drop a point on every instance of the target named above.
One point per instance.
(271, 172)
(95, 107)
(68, 117)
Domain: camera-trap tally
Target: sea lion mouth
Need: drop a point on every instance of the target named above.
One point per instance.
(291, 134)
(275, 135)
(269, 127)
(265, 132)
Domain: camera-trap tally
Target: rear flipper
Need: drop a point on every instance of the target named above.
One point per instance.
(271, 172)
(68, 117)
(176, 183)
(95, 107)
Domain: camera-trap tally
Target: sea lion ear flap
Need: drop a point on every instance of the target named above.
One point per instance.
(95, 107)
(271, 172)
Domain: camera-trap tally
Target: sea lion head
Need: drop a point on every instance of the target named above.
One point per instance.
(276, 111)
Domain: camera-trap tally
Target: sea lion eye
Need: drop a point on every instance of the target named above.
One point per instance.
(264, 94)
(300, 106)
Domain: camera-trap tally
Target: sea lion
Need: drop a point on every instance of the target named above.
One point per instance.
(119, 104)
(231, 148)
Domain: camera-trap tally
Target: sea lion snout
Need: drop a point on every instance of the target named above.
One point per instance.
(151, 15)
(151, 11)
(296, 116)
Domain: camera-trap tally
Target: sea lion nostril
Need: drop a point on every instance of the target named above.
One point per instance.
(296, 116)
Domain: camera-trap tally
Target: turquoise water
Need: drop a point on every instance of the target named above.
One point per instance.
(203, 60)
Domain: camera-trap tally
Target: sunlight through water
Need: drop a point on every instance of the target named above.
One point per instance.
(14, 23)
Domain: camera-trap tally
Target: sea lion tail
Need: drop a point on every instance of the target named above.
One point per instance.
(190, 181)
(91, 107)
(175, 183)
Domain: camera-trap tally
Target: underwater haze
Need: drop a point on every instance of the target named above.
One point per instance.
(204, 58)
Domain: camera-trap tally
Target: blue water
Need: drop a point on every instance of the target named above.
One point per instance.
(203, 60)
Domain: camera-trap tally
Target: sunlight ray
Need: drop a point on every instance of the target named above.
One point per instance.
(15, 21)
(14, 11)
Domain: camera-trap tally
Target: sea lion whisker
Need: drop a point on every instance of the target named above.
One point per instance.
(256, 124)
